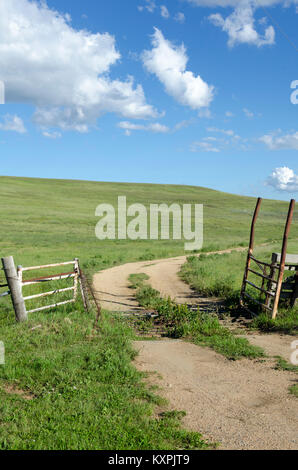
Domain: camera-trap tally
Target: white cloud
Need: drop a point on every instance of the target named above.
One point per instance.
(227, 140)
(168, 62)
(240, 26)
(283, 179)
(276, 141)
(154, 127)
(205, 113)
(179, 17)
(248, 113)
(149, 6)
(228, 132)
(203, 146)
(263, 20)
(129, 126)
(229, 114)
(164, 12)
(234, 3)
(13, 123)
(52, 135)
(44, 61)
(183, 124)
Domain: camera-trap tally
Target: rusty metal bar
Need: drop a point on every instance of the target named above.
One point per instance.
(256, 301)
(57, 277)
(262, 275)
(262, 262)
(283, 258)
(260, 288)
(250, 248)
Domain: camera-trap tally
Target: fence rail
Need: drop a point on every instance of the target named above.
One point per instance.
(16, 284)
(56, 277)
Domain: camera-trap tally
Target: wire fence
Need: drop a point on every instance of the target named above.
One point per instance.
(18, 285)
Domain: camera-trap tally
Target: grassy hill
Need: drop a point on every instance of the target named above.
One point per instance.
(54, 220)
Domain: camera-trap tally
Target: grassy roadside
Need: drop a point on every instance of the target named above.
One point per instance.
(221, 276)
(199, 328)
(67, 386)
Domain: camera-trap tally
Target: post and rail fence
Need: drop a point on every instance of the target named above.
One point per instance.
(56, 277)
(16, 284)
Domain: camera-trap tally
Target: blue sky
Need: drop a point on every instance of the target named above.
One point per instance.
(180, 91)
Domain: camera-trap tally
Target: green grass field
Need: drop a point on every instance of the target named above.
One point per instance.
(84, 391)
(53, 220)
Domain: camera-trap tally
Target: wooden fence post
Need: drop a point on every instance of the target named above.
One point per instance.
(270, 286)
(15, 288)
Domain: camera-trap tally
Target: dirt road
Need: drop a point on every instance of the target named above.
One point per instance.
(113, 291)
(240, 404)
(243, 404)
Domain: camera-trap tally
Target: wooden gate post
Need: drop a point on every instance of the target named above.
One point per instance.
(15, 288)
(283, 258)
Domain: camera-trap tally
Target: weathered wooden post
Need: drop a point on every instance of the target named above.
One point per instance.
(15, 288)
(270, 283)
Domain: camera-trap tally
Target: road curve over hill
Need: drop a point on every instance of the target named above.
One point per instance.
(112, 285)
